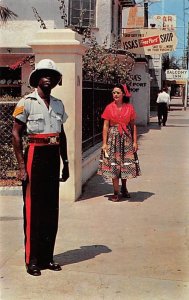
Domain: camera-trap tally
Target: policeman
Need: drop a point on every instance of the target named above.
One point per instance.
(39, 165)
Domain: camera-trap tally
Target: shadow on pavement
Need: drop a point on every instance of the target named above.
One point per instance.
(140, 196)
(135, 197)
(151, 126)
(81, 254)
(96, 187)
(180, 115)
(178, 109)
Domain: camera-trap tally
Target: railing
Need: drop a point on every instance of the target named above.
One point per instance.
(95, 97)
(8, 165)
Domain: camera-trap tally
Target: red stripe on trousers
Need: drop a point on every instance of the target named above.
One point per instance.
(28, 203)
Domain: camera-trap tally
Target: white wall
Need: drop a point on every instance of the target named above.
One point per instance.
(90, 162)
(140, 89)
(104, 28)
(17, 34)
(48, 10)
(103, 20)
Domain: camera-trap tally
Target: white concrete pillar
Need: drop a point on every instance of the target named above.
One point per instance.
(140, 90)
(64, 47)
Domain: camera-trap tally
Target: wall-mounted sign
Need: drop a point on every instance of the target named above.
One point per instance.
(167, 22)
(172, 74)
(149, 41)
(138, 83)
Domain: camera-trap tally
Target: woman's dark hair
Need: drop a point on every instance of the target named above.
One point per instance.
(120, 86)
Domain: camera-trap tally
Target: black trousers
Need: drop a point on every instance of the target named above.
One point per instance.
(41, 203)
(162, 113)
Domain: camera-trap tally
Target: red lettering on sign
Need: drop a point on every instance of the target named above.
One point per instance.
(149, 41)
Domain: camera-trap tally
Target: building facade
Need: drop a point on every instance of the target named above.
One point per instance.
(15, 54)
(104, 17)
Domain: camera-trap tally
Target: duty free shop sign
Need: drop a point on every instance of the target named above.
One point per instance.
(149, 41)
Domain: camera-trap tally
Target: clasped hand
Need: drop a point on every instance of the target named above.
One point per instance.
(65, 173)
(105, 147)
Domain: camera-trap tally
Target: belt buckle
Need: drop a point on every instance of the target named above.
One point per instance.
(52, 140)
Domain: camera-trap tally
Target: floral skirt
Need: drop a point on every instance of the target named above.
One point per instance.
(122, 161)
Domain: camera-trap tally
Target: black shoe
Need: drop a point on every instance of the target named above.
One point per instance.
(164, 124)
(33, 270)
(54, 266)
(125, 193)
(51, 266)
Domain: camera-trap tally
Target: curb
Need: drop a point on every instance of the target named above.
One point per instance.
(11, 191)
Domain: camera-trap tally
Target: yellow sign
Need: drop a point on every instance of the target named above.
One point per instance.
(149, 41)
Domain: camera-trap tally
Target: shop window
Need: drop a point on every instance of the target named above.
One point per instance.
(10, 82)
(82, 13)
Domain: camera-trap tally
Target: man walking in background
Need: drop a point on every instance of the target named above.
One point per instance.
(163, 101)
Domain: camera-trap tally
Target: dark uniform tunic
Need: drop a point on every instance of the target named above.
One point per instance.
(41, 190)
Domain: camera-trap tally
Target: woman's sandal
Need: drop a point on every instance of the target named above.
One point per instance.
(125, 193)
(114, 198)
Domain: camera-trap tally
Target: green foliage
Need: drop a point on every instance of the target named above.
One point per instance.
(170, 62)
(6, 14)
(106, 64)
(39, 19)
(8, 161)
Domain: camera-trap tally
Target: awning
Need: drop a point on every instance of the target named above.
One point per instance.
(177, 81)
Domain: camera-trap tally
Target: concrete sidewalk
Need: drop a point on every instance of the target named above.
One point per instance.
(131, 250)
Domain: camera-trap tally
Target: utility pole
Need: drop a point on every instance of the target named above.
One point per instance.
(146, 10)
(185, 58)
(184, 8)
(187, 53)
(145, 13)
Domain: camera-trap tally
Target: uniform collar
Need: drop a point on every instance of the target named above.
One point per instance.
(35, 96)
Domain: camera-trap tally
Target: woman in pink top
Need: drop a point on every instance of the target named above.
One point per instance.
(119, 150)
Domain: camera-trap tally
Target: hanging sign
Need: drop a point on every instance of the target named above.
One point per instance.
(172, 74)
(149, 41)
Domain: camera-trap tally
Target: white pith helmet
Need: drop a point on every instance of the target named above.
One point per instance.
(42, 66)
